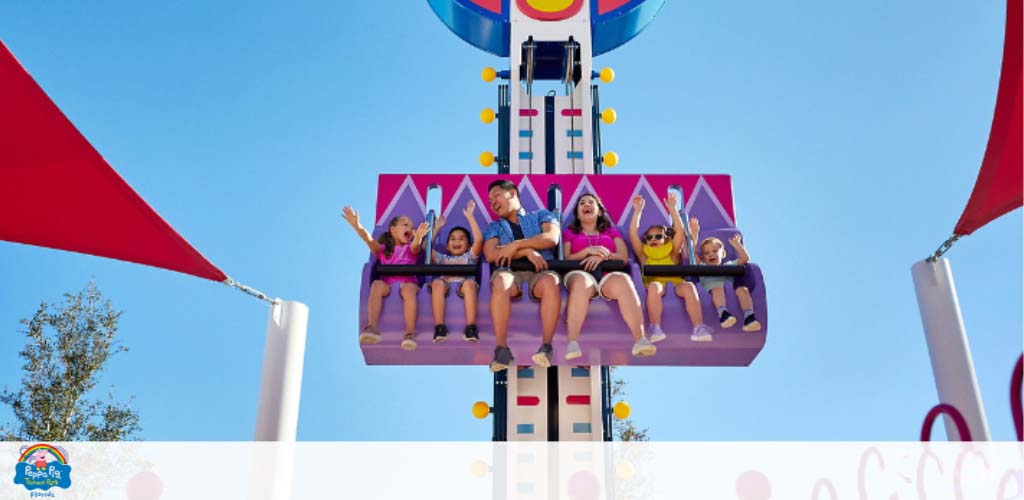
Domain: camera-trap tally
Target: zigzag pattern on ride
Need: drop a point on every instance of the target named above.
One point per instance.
(605, 338)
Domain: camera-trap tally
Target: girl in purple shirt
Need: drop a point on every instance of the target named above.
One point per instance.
(592, 239)
(399, 245)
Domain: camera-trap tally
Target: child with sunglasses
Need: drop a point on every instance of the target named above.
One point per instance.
(661, 246)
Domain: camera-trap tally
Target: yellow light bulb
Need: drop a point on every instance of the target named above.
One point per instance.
(609, 116)
(625, 470)
(607, 75)
(611, 159)
(486, 159)
(481, 409)
(489, 74)
(478, 469)
(621, 410)
(487, 115)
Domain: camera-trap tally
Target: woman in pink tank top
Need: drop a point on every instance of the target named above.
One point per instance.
(592, 239)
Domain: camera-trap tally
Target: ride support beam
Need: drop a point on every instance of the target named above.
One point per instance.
(948, 349)
(277, 416)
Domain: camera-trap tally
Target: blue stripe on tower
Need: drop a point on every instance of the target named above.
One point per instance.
(578, 371)
(578, 155)
(528, 428)
(525, 373)
(525, 133)
(580, 427)
(525, 155)
(573, 133)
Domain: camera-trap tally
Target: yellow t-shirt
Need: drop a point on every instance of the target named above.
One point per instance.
(660, 255)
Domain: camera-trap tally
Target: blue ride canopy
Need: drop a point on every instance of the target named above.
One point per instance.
(485, 24)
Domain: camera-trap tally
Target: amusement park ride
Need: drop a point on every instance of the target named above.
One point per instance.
(549, 145)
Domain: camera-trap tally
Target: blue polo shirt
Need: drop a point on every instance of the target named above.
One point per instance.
(529, 226)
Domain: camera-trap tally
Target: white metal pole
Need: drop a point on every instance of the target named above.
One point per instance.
(948, 349)
(277, 415)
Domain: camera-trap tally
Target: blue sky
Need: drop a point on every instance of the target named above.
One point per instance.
(853, 133)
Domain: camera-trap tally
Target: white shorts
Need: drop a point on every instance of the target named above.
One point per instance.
(598, 285)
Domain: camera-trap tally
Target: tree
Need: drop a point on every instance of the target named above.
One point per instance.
(624, 429)
(66, 348)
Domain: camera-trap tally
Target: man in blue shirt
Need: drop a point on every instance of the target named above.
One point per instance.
(517, 236)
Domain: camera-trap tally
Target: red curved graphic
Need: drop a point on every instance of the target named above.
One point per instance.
(958, 419)
(1015, 403)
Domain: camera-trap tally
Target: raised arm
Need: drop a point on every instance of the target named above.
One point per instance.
(478, 235)
(439, 223)
(694, 239)
(634, 224)
(741, 253)
(352, 217)
(679, 239)
(417, 238)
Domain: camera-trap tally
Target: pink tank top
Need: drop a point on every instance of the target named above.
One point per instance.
(401, 255)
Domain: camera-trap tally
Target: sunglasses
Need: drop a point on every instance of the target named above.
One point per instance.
(650, 237)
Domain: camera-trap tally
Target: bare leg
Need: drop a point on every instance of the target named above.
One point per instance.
(469, 288)
(580, 292)
(746, 303)
(718, 297)
(378, 290)
(688, 293)
(437, 300)
(503, 287)
(654, 306)
(409, 304)
(546, 289)
(621, 290)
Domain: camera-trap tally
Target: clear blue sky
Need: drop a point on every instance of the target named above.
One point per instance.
(853, 134)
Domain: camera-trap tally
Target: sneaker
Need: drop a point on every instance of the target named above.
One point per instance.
(655, 333)
(409, 341)
(701, 334)
(727, 320)
(502, 358)
(543, 356)
(440, 333)
(751, 324)
(644, 348)
(370, 334)
(572, 351)
(470, 334)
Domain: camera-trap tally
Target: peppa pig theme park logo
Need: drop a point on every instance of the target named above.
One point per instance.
(42, 467)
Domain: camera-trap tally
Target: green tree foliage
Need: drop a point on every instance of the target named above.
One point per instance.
(66, 349)
(625, 429)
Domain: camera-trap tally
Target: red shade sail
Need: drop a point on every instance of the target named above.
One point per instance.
(58, 192)
(1000, 184)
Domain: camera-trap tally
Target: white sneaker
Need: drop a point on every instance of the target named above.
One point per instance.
(543, 356)
(409, 341)
(572, 350)
(655, 333)
(644, 348)
(369, 335)
(701, 333)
